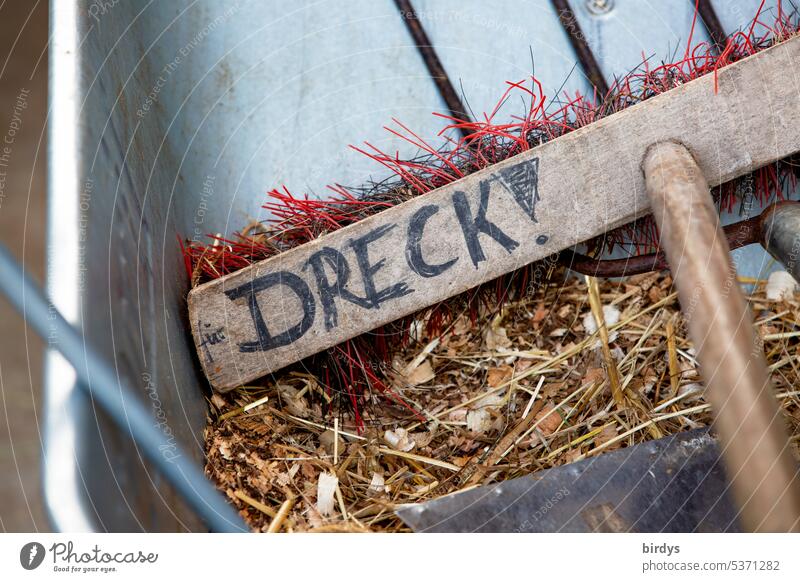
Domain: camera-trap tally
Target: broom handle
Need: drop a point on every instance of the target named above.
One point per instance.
(754, 442)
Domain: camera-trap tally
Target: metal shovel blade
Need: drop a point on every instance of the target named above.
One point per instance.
(675, 484)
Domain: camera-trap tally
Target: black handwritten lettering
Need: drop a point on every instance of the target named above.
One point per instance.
(210, 338)
(266, 341)
(414, 244)
(472, 227)
(368, 270)
(522, 181)
(328, 291)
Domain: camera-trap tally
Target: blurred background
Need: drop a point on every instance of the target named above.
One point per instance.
(23, 111)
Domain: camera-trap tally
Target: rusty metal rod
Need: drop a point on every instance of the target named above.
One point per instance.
(581, 47)
(740, 234)
(753, 438)
(435, 67)
(777, 229)
(712, 23)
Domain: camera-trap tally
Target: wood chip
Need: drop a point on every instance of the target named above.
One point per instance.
(326, 492)
(549, 419)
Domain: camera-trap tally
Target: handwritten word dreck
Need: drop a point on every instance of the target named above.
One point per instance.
(375, 271)
(559, 193)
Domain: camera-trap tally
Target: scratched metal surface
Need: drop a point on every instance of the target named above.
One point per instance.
(172, 119)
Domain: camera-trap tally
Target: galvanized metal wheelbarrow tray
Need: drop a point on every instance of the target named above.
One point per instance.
(172, 119)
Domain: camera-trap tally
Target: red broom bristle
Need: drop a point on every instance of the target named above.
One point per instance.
(354, 369)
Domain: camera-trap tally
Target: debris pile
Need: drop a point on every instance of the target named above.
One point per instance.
(492, 399)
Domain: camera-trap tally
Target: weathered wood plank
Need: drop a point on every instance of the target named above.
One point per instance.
(286, 308)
